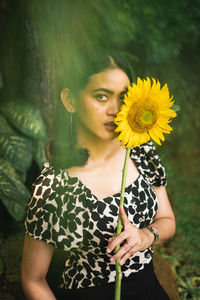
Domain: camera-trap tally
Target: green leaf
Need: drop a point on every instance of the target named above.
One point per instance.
(13, 193)
(25, 117)
(22, 176)
(17, 150)
(4, 127)
(38, 149)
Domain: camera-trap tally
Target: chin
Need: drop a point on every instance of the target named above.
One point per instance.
(110, 136)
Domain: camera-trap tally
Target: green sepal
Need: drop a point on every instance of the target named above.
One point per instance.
(175, 107)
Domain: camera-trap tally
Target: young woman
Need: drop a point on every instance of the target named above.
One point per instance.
(75, 201)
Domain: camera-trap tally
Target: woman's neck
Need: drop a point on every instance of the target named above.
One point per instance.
(99, 150)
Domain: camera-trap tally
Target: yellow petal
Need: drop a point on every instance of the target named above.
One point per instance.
(144, 138)
(144, 97)
(154, 137)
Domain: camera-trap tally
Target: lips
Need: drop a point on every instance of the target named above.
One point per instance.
(110, 124)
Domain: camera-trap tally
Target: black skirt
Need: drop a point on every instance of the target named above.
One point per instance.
(141, 286)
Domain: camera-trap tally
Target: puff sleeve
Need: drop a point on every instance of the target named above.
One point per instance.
(43, 207)
(149, 163)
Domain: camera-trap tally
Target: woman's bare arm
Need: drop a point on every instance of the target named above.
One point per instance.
(164, 221)
(35, 264)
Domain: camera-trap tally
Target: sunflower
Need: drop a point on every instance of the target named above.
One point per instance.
(145, 113)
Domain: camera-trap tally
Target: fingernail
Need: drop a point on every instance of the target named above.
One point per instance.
(108, 250)
(111, 259)
(121, 263)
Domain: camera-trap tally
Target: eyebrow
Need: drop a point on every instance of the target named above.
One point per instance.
(108, 91)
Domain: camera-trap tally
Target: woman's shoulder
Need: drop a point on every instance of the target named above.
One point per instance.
(50, 175)
(146, 150)
(149, 163)
(51, 183)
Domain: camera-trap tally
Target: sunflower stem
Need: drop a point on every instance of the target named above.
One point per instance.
(119, 227)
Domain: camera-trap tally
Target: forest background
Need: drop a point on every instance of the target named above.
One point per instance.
(161, 39)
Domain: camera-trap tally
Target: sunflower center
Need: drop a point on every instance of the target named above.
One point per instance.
(147, 117)
(142, 116)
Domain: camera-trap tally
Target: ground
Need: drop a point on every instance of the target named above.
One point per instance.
(10, 253)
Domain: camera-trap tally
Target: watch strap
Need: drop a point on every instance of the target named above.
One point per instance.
(155, 233)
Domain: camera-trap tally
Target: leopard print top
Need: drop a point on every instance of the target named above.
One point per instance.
(63, 212)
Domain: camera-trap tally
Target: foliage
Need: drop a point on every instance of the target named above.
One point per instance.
(13, 192)
(22, 136)
(1, 266)
(188, 284)
(183, 188)
(1, 81)
(25, 118)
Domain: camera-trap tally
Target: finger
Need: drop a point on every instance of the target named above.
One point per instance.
(117, 241)
(121, 252)
(130, 253)
(110, 239)
(124, 217)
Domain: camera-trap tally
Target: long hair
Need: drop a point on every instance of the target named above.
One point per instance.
(61, 147)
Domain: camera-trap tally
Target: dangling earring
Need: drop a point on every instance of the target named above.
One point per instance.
(71, 126)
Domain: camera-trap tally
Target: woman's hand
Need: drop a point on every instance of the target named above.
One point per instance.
(134, 240)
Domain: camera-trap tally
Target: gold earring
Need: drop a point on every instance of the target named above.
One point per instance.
(71, 125)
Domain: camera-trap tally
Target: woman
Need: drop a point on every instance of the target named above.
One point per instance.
(75, 200)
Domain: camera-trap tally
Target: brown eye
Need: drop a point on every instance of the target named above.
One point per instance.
(121, 98)
(101, 97)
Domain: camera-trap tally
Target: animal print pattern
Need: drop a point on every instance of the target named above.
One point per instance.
(63, 212)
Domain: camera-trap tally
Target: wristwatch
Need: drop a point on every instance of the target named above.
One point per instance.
(155, 233)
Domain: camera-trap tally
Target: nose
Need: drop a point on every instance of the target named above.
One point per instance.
(113, 107)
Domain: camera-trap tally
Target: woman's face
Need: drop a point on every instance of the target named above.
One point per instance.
(100, 102)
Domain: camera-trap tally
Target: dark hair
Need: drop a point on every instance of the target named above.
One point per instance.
(61, 148)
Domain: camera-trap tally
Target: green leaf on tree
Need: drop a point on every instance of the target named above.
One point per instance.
(13, 193)
(25, 117)
(17, 150)
(38, 150)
